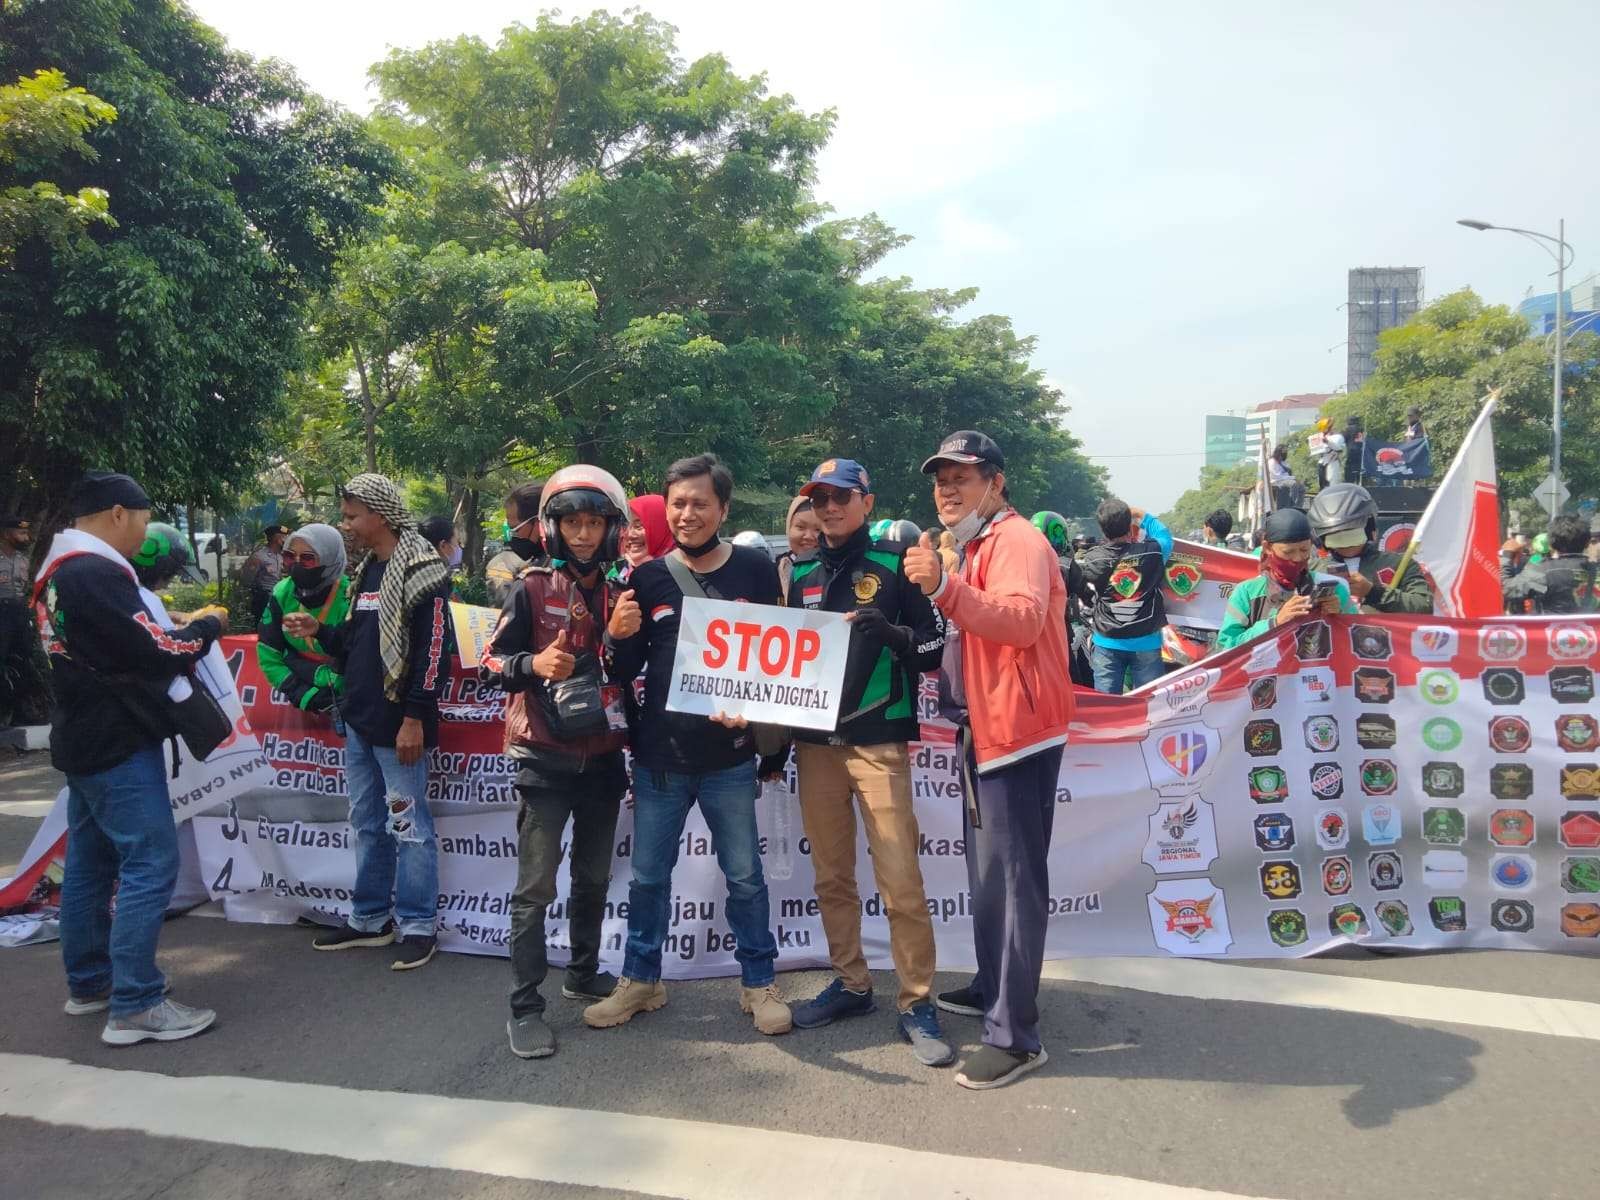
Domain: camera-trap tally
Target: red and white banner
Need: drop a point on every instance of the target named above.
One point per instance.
(1200, 579)
(1458, 537)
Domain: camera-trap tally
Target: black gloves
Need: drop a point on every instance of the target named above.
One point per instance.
(873, 625)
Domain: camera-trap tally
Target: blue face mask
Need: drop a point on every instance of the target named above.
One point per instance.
(455, 559)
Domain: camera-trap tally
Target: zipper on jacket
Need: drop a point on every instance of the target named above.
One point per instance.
(1027, 692)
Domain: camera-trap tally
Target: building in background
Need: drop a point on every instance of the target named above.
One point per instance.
(1581, 309)
(1278, 421)
(1379, 298)
(1225, 441)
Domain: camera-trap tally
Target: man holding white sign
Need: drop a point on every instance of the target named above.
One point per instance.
(897, 634)
(680, 759)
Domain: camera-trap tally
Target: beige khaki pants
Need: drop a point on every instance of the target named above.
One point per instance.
(831, 778)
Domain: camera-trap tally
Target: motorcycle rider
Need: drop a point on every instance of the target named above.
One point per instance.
(1344, 519)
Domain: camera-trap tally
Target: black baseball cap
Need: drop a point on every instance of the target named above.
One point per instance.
(969, 447)
(272, 529)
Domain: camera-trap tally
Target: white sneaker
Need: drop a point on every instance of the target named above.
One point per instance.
(168, 1021)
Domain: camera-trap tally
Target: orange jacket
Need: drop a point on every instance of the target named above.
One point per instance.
(1009, 602)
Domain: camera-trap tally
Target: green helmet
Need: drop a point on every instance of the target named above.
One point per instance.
(1054, 527)
(163, 554)
(880, 529)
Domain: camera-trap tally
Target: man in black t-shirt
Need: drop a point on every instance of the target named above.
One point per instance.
(393, 649)
(680, 760)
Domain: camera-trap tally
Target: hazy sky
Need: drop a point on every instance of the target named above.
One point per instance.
(1167, 195)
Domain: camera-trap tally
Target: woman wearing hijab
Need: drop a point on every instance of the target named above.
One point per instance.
(645, 537)
(1287, 588)
(314, 582)
(804, 531)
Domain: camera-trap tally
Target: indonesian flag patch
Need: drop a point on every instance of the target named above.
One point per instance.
(812, 596)
(661, 612)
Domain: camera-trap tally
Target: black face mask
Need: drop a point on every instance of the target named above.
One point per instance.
(701, 550)
(306, 579)
(523, 547)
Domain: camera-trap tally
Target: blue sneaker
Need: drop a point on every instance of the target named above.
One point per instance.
(835, 1001)
(919, 1025)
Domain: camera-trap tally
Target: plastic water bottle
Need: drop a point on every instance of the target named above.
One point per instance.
(780, 837)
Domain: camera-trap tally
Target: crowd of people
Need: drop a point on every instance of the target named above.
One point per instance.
(590, 586)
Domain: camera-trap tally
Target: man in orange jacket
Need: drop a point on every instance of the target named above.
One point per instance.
(1005, 605)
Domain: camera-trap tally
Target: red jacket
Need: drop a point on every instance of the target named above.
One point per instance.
(1009, 602)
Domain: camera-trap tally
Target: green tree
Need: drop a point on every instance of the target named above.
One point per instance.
(910, 373)
(1446, 360)
(677, 194)
(42, 126)
(161, 345)
(1219, 487)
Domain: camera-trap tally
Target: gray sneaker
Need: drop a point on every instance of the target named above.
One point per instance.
(919, 1025)
(530, 1037)
(166, 1022)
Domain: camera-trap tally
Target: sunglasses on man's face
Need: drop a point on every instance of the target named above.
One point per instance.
(823, 497)
(305, 560)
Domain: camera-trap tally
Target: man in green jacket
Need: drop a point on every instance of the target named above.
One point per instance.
(313, 582)
(896, 634)
(1344, 520)
(1287, 589)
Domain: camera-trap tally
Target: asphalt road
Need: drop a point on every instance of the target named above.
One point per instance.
(330, 1075)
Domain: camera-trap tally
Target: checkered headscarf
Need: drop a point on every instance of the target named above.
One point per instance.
(415, 573)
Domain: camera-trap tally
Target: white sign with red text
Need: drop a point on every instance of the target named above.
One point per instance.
(780, 666)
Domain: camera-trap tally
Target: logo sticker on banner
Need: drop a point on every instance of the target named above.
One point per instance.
(1321, 734)
(1580, 781)
(1443, 780)
(1572, 641)
(1347, 920)
(1280, 880)
(1371, 642)
(1274, 833)
(1394, 917)
(1179, 759)
(1183, 837)
(1374, 685)
(1313, 642)
(1185, 696)
(1513, 872)
(1433, 643)
(1268, 785)
(1511, 916)
(1327, 780)
(1580, 830)
(1510, 781)
(1262, 739)
(1577, 733)
(1512, 827)
(1580, 875)
(1263, 693)
(1448, 914)
(1510, 735)
(1444, 869)
(1333, 829)
(1384, 871)
(1378, 777)
(1571, 685)
(1444, 826)
(1441, 734)
(1375, 731)
(1286, 927)
(1439, 687)
(1189, 917)
(1380, 824)
(1503, 685)
(1580, 920)
(1336, 875)
(1317, 684)
(1502, 643)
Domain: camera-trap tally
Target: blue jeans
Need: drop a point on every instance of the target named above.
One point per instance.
(728, 802)
(397, 853)
(119, 825)
(1112, 666)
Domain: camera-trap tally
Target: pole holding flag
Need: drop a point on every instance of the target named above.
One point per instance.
(1458, 537)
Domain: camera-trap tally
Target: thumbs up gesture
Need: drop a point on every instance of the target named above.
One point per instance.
(555, 661)
(923, 566)
(625, 617)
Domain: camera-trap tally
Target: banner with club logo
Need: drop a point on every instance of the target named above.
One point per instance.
(1412, 782)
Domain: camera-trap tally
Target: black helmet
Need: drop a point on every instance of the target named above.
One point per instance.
(583, 488)
(163, 554)
(1340, 507)
(1054, 527)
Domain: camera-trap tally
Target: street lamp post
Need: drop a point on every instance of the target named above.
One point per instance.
(1562, 249)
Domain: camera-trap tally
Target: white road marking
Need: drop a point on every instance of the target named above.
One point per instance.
(657, 1155)
(1201, 980)
(26, 808)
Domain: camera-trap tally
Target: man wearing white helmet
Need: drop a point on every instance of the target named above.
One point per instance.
(1344, 520)
(546, 654)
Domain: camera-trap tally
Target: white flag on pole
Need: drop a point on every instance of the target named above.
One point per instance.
(1458, 537)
